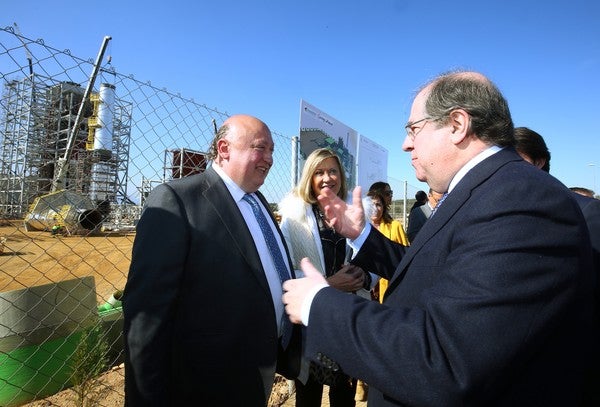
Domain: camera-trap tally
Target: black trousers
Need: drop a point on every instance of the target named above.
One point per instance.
(311, 393)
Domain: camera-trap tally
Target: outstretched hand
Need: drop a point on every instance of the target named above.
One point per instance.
(297, 289)
(347, 220)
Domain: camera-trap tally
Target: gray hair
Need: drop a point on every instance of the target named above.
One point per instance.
(213, 151)
(491, 121)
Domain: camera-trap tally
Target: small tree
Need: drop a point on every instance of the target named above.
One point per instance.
(88, 362)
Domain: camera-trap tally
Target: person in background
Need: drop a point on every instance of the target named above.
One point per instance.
(381, 220)
(583, 191)
(419, 215)
(384, 189)
(492, 304)
(420, 199)
(203, 317)
(308, 234)
(532, 148)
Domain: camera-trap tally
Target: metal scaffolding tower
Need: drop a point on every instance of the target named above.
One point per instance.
(37, 117)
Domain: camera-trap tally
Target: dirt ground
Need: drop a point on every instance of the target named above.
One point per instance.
(35, 258)
(111, 390)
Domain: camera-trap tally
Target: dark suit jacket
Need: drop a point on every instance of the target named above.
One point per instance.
(416, 220)
(200, 326)
(591, 212)
(489, 306)
(590, 208)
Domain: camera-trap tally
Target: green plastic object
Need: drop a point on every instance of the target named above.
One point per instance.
(40, 328)
(37, 371)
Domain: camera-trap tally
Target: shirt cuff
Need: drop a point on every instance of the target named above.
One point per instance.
(357, 243)
(307, 303)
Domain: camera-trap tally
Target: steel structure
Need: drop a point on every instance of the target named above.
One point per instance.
(37, 118)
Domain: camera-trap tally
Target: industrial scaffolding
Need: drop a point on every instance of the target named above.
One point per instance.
(37, 118)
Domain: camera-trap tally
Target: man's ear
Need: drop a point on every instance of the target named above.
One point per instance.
(460, 121)
(223, 148)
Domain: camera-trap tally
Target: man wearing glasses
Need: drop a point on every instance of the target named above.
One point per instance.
(492, 303)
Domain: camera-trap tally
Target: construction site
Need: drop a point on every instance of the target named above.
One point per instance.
(81, 147)
(65, 157)
(61, 154)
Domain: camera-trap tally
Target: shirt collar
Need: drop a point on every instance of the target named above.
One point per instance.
(472, 163)
(236, 192)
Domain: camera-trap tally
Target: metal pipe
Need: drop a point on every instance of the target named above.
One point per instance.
(294, 173)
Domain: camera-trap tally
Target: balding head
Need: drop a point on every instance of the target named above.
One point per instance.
(247, 123)
(243, 148)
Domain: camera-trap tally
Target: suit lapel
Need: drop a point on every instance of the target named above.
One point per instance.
(455, 200)
(428, 231)
(222, 202)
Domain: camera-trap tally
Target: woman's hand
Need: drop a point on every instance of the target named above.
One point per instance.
(349, 278)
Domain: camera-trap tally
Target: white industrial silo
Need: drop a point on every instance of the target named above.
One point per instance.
(102, 178)
(103, 139)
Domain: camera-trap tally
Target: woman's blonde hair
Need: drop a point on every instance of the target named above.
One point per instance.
(304, 189)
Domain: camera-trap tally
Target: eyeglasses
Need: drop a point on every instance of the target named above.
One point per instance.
(411, 132)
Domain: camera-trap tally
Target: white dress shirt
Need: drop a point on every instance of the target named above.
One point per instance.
(261, 246)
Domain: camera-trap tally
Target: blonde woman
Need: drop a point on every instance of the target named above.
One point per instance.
(308, 234)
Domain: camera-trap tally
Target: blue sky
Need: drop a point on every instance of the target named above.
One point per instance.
(358, 61)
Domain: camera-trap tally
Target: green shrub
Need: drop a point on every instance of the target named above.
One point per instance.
(88, 362)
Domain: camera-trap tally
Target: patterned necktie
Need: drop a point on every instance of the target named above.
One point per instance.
(439, 203)
(277, 257)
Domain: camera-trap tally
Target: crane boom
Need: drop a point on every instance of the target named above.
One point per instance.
(62, 164)
(27, 53)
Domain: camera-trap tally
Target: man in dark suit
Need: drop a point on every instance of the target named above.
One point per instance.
(420, 214)
(202, 305)
(491, 304)
(532, 148)
(590, 208)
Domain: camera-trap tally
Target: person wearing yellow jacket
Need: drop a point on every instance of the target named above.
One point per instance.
(381, 219)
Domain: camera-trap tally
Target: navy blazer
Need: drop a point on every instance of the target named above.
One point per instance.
(199, 320)
(590, 208)
(490, 305)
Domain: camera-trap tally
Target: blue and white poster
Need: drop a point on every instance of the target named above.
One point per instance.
(364, 160)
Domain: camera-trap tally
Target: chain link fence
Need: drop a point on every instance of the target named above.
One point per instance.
(81, 146)
(65, 251)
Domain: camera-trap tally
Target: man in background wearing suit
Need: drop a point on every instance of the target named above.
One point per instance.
(491, 305)
(202, 305)
(531, 146)
(419, 215)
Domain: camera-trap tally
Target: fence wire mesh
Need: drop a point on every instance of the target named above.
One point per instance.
(81, 146)
(65, 251)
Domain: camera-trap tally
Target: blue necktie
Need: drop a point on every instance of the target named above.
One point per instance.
(277, 257)
(439, 204)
